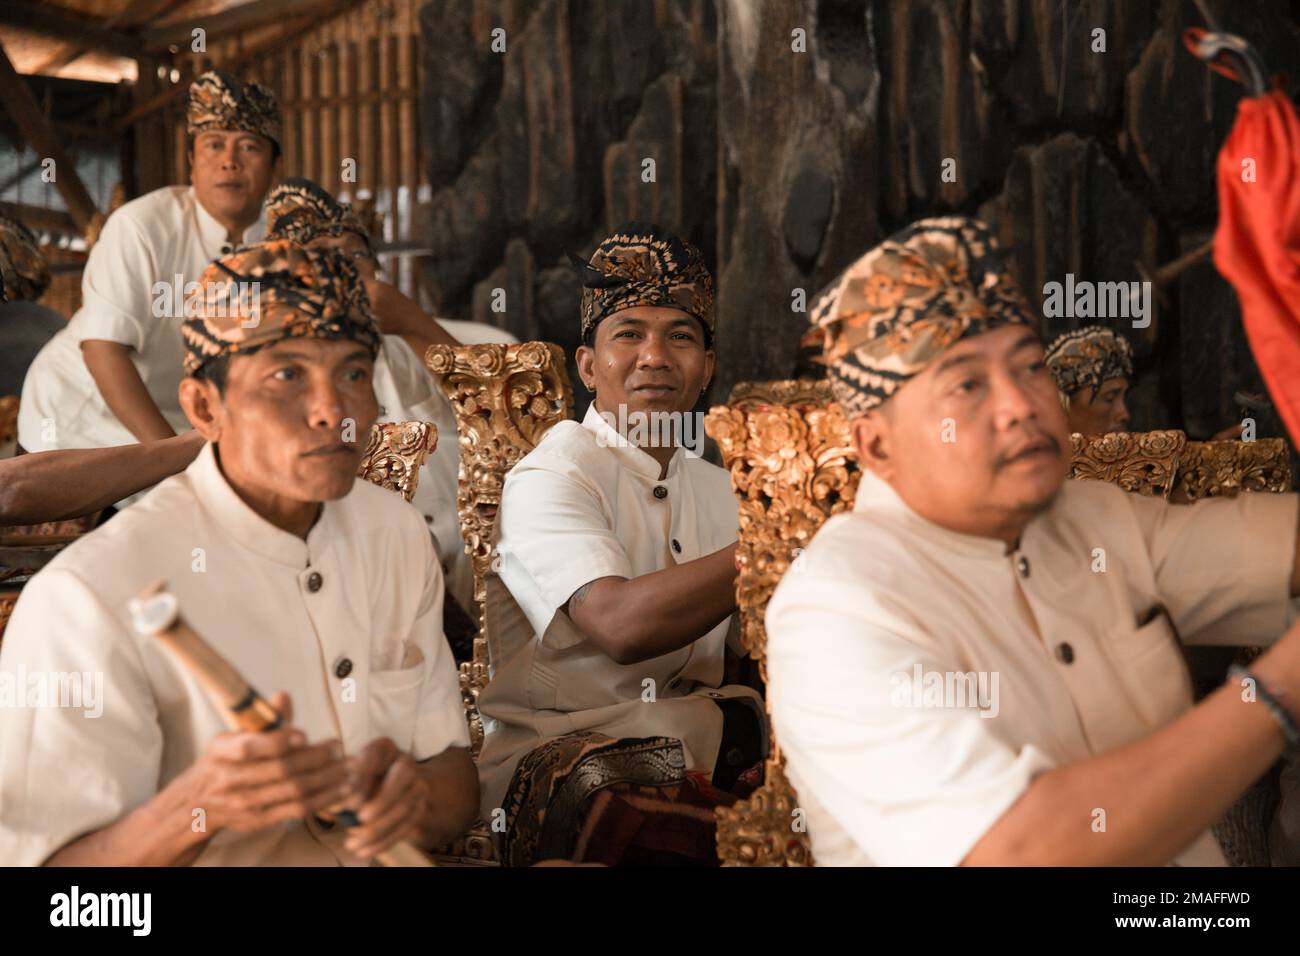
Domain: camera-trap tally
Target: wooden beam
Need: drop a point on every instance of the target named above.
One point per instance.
(40, 219)
(133, 14)
(23, 110)
(49, 20)
(246, 16)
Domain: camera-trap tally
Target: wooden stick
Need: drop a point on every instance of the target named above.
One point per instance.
(156, 612)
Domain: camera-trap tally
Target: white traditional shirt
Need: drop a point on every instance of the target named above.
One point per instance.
(920, 679)
(348, 622)
(152, 239)
(585, 505)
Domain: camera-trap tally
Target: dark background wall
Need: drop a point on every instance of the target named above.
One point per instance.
(784, 166)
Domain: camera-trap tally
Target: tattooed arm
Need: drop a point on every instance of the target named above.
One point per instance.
(635, 620)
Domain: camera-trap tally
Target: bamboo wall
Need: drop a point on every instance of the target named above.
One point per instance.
(347, 90)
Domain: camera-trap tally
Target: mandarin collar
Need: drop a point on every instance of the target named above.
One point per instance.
(629, 455)
(876, 495)
(249, 529)
(213, 234)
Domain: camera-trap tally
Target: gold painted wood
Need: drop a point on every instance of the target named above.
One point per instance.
(792, 465)
(505, 398)
(8, 418)
(1141, 462)
(1212, 469)
(394, 454)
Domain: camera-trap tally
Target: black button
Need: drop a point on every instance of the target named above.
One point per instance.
(1022, 565)
(677, 546)
(661, 492)
(735, 756)
(343, 668)
(314, 581)
(1064, 653)
(226, 250)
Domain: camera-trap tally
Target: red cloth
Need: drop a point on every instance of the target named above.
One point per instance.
(1257, 244)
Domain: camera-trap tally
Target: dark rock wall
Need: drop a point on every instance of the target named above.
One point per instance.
(788, 136)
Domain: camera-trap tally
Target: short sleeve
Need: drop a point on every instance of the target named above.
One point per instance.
(910, 784)
(1223, 566)
(440, 719)
(117, 286)
(553, 530)
(66, 771)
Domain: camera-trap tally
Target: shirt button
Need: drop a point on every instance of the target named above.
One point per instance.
(226, 250)
(314, 581)
(677, 546)
(661, 492)
(343, 668)
(1064, 653)
(1022, 565)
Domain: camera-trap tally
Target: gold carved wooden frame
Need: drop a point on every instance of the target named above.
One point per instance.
(792, 464)
(505, 398)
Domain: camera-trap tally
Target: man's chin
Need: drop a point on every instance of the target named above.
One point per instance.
(328, 479)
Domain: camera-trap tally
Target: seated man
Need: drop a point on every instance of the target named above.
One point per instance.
(1092, 368)
(970, 566)
(307, 579)
(303, 212)
(619, 549)
(110, 377)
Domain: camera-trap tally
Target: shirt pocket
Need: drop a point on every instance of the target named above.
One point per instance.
(395, 700)
(1150, 660)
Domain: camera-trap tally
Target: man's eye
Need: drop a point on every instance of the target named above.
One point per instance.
(285, 374)
(356, 375)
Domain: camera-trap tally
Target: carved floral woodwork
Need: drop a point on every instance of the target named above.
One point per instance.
(394, 454)
(792, 464)
(1141, 462)
(505, 397)
(1224, 468)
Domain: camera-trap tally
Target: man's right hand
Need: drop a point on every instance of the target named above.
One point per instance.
(250, 781)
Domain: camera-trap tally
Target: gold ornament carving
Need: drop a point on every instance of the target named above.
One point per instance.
(394, 454)
(1141, 462)
(505, 397)
(1212, 469)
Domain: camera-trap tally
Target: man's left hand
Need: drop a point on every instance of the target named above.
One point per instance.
(394, 799)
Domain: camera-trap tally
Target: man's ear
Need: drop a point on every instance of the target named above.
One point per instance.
(201, 403)
(873, 437)
(586, 359)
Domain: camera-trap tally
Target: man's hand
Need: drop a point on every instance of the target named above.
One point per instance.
(392, 798)
(250, 781)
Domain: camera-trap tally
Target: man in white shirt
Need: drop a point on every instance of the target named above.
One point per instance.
(111, 376)
(619, 549)
(980, 663)
(309, 581)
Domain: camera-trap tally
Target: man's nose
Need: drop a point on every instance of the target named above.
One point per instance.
(1013, 403)
(230, 156)
(653, 353)
(325, 408)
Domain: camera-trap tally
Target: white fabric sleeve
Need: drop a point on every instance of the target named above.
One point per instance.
(65, 771)
(555, 528)
(911, 784)
(1223, 565)
(117, 286)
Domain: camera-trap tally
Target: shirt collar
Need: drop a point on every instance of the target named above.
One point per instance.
(249, 529)
(213, 234)
(876, 495)
(629, 455)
